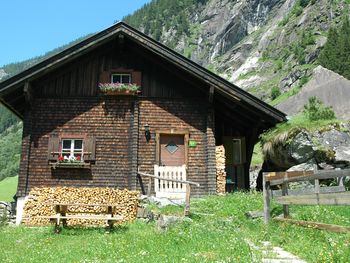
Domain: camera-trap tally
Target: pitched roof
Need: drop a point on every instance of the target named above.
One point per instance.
(15, 84)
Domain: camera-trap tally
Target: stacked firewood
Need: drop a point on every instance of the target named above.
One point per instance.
(41, 202)
(220, 169)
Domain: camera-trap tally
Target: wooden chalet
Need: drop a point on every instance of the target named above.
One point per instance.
(180, 114)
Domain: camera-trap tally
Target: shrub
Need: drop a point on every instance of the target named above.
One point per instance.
(297, 10)
(284, 21)
(304, 3)
(3, 220)
(303, 81)
(275, 92)
(278, 64)
(315, 110)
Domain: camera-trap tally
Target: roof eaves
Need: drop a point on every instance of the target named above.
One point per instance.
(70, 53)
(221, 84)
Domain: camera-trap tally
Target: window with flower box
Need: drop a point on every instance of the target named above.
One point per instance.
(71, 150)
(120, 81)
(122, 78)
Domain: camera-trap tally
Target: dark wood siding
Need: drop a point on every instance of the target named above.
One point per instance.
(186, 114)
(108, 121)
(67, 101)
(80, 78)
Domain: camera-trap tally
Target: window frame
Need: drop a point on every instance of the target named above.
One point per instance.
(72, 151)
(55, 146)
(121, 74)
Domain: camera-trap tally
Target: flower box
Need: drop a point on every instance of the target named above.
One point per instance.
(70, 165)
(119, 89)
(69, 162)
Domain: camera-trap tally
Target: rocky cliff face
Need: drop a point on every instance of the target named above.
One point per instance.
(3, 74)
(327, 86)
(259, 44)
(224, 24)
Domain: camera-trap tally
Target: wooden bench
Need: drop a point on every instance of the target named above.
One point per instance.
(62, 210)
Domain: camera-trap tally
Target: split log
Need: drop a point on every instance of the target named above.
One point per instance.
(41, 202)
(220, 169)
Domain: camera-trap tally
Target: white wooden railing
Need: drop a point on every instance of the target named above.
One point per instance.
(181, 184)
(167, 188)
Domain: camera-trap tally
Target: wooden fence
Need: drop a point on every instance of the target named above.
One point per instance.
(317, 195)
(159, 179)
(170, 189)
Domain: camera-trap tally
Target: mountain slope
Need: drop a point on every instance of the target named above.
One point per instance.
(267, 47)
(323, 85)
(257, 44)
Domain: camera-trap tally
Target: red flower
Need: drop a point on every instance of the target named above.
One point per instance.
(60, 158)
(78, 158)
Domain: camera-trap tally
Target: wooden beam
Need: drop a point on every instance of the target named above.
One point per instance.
(305, 191)
(310, 224)
(253, 114)
(17, 112)
(242, 126)
(235, 108)
(266, 194)
(187, 200)
(272, 176)
(233, 116)
(167, 179)
(285, 207)
(310, 175)
(211, 94)
(316, 199)
(250, 143)
(28, 94)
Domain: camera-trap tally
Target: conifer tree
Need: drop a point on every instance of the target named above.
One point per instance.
(335, 54)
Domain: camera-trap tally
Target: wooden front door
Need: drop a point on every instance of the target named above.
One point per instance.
(235, 152)
(172, 149)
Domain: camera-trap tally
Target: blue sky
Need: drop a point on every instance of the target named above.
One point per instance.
(32, 27)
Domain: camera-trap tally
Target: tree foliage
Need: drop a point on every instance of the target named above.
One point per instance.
(275, 92)
(167, 14)
(315, 110)
(10, 143)
(335, 54)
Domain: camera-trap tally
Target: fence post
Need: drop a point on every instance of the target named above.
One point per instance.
(285, 207)
(317, 182)
(187, 204)
(266, 193)
(149, 186)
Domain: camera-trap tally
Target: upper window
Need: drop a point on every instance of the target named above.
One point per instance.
(121, 78)
(72, 148)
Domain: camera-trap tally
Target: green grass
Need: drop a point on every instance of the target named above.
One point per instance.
(257, 158)
(218, 232)
(297, 123)
(8, 188)
(284, 96)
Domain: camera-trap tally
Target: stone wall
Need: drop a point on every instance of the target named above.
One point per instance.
(5, 212)
(220, 169)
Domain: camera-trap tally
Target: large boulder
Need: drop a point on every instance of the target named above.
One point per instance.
(301, 150)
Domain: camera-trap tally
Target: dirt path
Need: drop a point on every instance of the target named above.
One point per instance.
(272, 254)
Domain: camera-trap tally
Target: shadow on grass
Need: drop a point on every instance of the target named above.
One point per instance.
(82, 230)
(276, 211)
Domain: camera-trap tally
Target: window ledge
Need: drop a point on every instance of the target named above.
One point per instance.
(120, 93)
(81, 165)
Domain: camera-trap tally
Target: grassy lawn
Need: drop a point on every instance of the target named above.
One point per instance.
(8, 188)
(217, 232)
